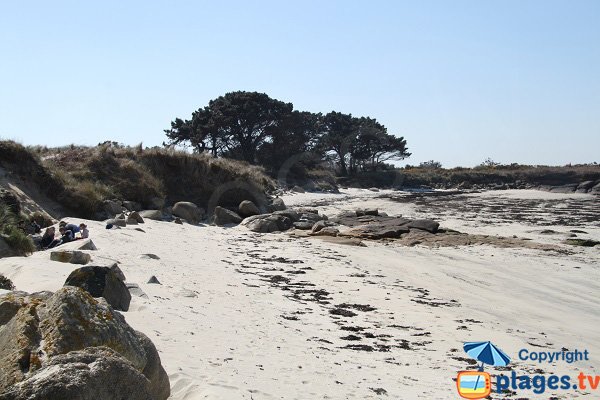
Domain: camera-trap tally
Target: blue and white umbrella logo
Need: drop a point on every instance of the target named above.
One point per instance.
(487, 353)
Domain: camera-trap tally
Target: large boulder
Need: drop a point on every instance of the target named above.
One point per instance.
(71, 320)
(94, 373)
(70, 256)
(102, 282)
(595, 189)
(155, 215)
(248, 209)
(188, 211)
(291, 214)
(224, 216)
(267, 223)
(112, 206)
(277, 204)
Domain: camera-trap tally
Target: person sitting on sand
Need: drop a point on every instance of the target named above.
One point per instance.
(66, 235)
(48, 241)
(85, 233)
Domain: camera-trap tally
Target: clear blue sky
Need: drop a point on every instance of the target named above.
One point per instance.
(517, 81)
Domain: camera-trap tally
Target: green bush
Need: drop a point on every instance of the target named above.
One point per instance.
(18, 240)
(6, 283)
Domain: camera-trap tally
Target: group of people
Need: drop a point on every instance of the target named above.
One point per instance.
(68, 233)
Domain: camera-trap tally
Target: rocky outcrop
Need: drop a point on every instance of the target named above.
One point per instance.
(47, 333)
(248, 209)
(134, 215)
(224, 216)
(102, 282)
(188, 211)
(267, 223)
(70, 256)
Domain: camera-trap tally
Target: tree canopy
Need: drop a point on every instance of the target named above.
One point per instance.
(256, 128)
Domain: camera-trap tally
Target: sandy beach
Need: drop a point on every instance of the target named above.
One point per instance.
(243, 315)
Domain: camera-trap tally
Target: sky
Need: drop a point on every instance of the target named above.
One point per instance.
(461, 81)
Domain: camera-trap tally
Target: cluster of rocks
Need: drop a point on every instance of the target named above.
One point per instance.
(592, 187)
(72, 344)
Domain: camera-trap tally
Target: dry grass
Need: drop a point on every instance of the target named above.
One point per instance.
(82, 177)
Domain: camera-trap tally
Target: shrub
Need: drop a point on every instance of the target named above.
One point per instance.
(18, 240)
(6, 283)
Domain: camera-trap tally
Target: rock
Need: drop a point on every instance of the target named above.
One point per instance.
(120, 216)
(318, 226)
(102, 282)
(291, 214)
(116, 222)
(132, 206)
(153, 279)
(267, 223)
(84, 244)
(71, 320)
(595, 189)
(373, 212)
(135, 290)
(388, 228)
(304, 225)
(570, 188)
(326, 231)
(584, 187)
(424, 224)
(112, 206)
(155, 215)
(374, 189)
(298, 189)
(248, 209)
(224, 216)
(94, 373)
(131, 221)
(70, 256)
(277, 204)
(312, 217)
(188, 211)
(149, 256)
(136, 216)
(178, 221)
(114, 267)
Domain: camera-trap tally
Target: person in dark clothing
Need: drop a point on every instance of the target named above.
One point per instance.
(48, 240)
(70, 227)
(66, 235)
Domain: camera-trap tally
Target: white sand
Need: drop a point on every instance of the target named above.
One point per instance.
(218, 319)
